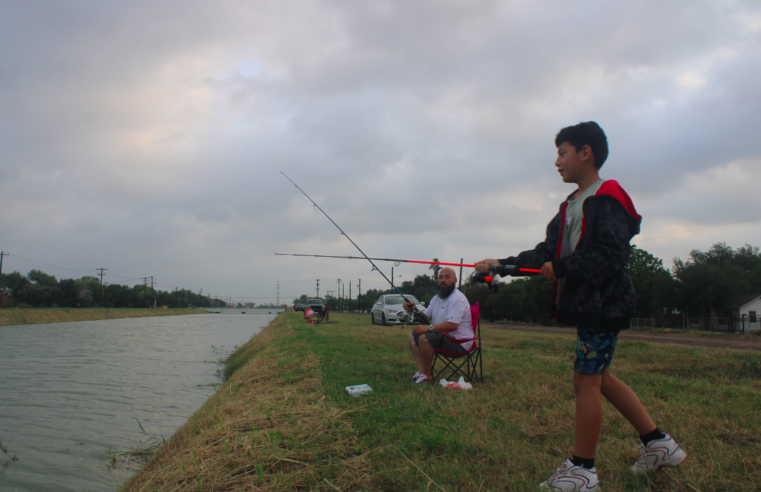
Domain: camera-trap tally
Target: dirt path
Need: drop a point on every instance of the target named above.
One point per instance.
(740, 342)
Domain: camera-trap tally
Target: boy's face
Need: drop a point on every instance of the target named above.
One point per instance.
(574, 165)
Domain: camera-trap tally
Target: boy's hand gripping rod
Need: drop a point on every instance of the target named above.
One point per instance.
(417, 315)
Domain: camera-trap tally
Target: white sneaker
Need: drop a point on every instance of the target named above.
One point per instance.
(417, 375)
(657, 454)
(571, 478)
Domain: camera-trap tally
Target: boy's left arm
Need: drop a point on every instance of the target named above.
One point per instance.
(608, 251)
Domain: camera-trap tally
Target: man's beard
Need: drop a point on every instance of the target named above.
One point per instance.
(445, 291)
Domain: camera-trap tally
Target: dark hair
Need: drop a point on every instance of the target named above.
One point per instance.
(586, 133)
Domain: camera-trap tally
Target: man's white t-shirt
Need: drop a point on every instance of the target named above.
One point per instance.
(454, 309)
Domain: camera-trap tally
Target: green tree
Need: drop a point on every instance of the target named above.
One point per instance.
(69, 292)
(709, 280)
(39, 295)
(14, 282)
(648, 276)
(436, 269)
(41, 278)
(523, 299)
(301, 300)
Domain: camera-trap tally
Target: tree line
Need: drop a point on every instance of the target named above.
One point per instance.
(701, 286)
(39, 289)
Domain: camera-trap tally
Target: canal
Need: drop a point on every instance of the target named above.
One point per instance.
(73, 396)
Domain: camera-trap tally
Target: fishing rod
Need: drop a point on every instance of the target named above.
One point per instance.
(416, 313)
(480, 277)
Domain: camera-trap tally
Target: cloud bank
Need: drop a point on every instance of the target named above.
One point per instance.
(148, 137)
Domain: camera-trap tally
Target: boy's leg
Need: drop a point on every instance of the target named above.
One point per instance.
(594, 351)
(588, 414)
(656, 449)
(621, 396)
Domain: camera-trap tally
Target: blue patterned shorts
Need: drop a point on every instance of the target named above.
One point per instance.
(594, 350)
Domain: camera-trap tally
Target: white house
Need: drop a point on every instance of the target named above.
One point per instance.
(747, 310)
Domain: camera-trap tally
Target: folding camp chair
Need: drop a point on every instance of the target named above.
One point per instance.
(325, 315)
(466, 364)
(317, 319)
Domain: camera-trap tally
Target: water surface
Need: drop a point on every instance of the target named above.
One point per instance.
(69, 392)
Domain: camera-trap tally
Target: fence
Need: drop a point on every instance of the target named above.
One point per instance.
(727, 324)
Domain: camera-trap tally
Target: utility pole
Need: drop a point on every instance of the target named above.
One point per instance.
(100, 292)
(145, 286)
(3, 253)
(359, 296)
(318, 287)
(338, 295)
(392, 277)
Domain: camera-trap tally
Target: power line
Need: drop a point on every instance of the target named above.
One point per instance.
(51, 266)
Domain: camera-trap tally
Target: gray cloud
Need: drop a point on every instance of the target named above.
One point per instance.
(148, 137)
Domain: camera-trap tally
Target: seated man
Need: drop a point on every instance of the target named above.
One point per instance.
(448, 312)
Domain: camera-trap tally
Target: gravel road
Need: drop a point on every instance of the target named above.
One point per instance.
(741, 342)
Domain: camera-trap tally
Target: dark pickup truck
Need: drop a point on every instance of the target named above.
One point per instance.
(316, 305)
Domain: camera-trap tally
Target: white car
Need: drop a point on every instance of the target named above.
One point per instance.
(389, 309)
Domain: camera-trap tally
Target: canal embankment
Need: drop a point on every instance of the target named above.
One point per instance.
(33, 316)
(283, 420)
(269, 427)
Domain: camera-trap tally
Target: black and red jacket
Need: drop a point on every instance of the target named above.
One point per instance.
(593, 290)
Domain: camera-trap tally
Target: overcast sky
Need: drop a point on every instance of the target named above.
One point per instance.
(148, 137)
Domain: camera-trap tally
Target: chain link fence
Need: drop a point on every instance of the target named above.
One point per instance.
(726, 324)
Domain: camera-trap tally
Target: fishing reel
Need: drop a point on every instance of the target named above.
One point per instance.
(414, 316)
(488, 277)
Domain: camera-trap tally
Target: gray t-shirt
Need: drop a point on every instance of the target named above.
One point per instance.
(574, 214)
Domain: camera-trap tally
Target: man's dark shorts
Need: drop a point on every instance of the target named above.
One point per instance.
(594, 350)
(437, 340)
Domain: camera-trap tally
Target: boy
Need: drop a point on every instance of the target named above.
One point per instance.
(584, 253)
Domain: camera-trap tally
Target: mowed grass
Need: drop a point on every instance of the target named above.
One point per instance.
(283, 420)
(512, 431)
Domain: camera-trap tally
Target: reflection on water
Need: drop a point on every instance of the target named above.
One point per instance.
(69, 392)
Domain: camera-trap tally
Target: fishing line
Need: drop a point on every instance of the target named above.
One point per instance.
(418, 316)
(398, 261)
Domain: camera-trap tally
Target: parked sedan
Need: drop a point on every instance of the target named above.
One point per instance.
(299, 307)
(389, 309)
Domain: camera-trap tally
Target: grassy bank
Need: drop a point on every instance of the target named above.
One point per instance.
(29, 316)
(283, 420)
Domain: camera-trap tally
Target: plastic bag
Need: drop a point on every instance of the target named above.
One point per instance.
(460, 385)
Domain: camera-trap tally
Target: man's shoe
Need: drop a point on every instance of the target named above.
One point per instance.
(413, 378)
(657, 454)
(421, 379)
(571, 478)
